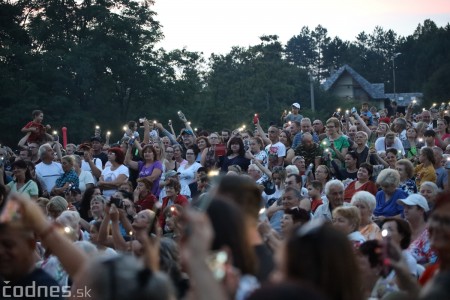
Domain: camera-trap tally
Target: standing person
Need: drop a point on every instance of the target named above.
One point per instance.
(209, 156)
(97, 150)
(187, 172)
(336, 142)
(48, 170)
(285, 138)
(114, 175)
(23, 182)
(318, 127)
(276, 151)
(309, 150)
(235, 155)
(293, 114)
(150, 167)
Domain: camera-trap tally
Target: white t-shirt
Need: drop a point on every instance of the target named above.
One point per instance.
(274, 151)
(380, 145)
(86, 167)
(187, 175)
(109, 175)
(48, 174)
(85, 177)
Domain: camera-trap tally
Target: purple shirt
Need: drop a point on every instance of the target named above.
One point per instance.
(145, 171)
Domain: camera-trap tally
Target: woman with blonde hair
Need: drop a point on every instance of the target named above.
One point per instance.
(365, 202)
(347, 219)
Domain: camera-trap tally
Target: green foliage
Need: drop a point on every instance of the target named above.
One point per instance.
(95, 62)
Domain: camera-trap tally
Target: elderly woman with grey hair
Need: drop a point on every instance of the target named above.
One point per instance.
(365, 202)
(429, 191)
(386, 199)
(85, 178)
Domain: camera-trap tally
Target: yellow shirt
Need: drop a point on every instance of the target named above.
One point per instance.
(424, 174)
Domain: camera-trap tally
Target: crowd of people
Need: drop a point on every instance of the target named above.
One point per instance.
(356, 206)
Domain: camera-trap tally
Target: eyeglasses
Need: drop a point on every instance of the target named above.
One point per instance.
(189, 153)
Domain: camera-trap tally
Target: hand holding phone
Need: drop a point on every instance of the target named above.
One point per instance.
(255, 119)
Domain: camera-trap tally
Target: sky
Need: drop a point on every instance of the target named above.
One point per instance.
(214, 26)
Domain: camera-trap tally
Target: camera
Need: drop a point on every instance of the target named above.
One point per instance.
(116, 201)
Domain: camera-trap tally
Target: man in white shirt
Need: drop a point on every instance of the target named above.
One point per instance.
(48, 170)
(276, 151)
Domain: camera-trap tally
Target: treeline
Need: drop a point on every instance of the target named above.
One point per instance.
(95, 62)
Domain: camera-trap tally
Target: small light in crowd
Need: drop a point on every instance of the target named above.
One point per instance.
(339, 109)
(213, 173)
(384, 233)
(55, 132)
(434, 104)
(262, 211)
(243, 126)
(172, 208)
(285, 111)
(327, 150)
(195, 129)
(289, 122)
(124, 128)
(170, 121)
(154, 122)
(445, 111)
(420, 139)
(414, 101)
(108, 133)
(97, 127)
(67, 229)
(423, 109)
(347, 111)
(324, 143)
(130, 233)
(189, 123)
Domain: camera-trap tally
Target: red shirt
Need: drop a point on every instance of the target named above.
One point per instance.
(147, 203)
(180, 200)
(369, 186)
(315, 203)
(38, 136)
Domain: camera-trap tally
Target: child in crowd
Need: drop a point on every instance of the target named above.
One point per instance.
(38, 131)
(314, 191)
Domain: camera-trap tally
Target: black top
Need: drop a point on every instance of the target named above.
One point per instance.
(265, 262)
(33, 284)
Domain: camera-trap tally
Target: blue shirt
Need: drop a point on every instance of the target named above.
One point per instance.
(389, 208)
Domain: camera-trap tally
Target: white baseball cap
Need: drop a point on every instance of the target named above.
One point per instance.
(296, 105)
(415, 199)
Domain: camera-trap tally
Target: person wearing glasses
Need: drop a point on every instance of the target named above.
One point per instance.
(210, 158)
(187, 171)
(336, 143)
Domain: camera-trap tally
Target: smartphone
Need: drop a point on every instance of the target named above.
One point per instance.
(434, 123)
(216, 262)
(116, 201)
(10, 211)
(447, 164)
(221, 150)
(255, 119)
(141, 122)
(354, 110)
(246, 144)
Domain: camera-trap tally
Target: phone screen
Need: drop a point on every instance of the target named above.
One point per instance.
(10, 212)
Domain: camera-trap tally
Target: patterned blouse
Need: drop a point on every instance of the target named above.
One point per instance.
(421, 250)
